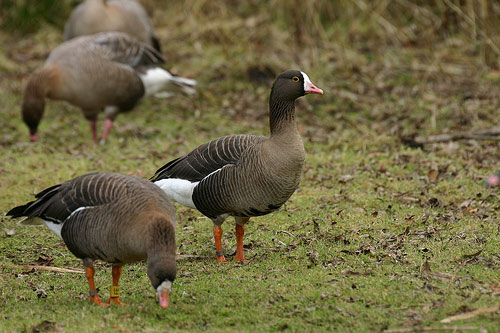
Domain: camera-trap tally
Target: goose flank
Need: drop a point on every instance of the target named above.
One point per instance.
(243, 175)
(114, 218)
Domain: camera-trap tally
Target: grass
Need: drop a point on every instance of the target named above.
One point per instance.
(370, 241)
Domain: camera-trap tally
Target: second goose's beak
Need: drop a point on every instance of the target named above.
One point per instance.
(310, 88)
(163, 298)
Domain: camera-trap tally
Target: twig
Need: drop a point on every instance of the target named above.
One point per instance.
(471, 314)
(51, 269)
(187, 256)
(429, 329)
(487, 134)
(288, 233)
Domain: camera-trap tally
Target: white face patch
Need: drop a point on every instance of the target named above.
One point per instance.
(307, 81)
(165, 285)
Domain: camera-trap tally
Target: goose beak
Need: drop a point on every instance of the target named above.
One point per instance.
(163, 298)
(310, 88)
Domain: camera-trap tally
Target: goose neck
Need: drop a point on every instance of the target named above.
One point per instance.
(281, 115)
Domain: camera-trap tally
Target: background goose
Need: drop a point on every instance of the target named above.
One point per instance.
(93, 16)
(115, 218)
(243, 175)
(109, 71)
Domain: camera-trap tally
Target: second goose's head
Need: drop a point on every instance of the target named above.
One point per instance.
(161, 256)
(293, 84)
(162, 276)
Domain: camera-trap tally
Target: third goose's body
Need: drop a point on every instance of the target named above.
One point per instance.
(107, 71)
(243, 175)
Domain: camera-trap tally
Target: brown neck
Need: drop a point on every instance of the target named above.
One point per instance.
(161, 251)
(281, 115)
(38, 87)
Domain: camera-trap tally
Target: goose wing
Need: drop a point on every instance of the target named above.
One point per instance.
(208, 158)
(121, 48)
(59, 202)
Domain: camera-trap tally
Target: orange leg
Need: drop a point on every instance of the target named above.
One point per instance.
(218, 244)
(94, 297)
(116, 272)
(239, 232)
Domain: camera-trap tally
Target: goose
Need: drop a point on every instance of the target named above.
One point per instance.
(108, 71)
(128, 16)
(114, 218)
(243, 175)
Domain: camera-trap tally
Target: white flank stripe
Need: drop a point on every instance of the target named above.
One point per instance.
(179, 190)
(76, 211)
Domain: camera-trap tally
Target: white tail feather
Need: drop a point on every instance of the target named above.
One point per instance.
(157, 80)
(179, 190)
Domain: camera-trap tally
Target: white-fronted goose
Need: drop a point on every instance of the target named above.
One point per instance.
(108, 71)
(243, 175)
(114, 218)
(128, 16)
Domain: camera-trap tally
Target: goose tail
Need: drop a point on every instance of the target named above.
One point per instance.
(160, 83)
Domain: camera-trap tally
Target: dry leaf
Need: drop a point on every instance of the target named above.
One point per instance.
(9, 232)
(433, 175)
(345, 178)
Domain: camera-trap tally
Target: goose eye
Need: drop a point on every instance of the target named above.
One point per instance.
(295, 79)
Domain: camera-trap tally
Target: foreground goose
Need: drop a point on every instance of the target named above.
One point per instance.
(243, 175)
(108, 71)
(93, 16)
(115, 218)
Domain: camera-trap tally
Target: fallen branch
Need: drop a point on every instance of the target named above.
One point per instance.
(52, 269)
(471, 314)
(188, 256)
(486, 134)
(429, 329)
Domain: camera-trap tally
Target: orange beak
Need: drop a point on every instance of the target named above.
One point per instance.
(310, 88)
(163, 298)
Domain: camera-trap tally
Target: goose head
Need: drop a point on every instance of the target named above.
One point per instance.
(32, 111)
(162, 275)
(293, 84)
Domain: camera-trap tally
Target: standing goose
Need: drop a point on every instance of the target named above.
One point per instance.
(114, 218)
(128, 16)
(243, 175)
(109, 71)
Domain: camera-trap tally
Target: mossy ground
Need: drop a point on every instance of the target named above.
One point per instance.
(348, 252)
